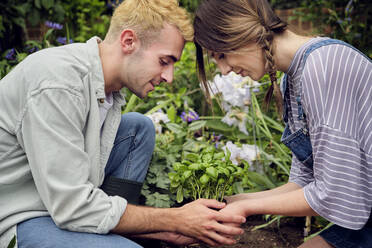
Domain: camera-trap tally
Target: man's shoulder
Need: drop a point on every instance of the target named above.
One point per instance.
(67, 65)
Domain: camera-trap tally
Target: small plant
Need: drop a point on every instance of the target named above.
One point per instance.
(209, 174)
(12, 242)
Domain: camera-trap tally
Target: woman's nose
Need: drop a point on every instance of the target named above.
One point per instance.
(224, 68)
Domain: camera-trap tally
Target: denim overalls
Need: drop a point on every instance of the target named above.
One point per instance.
(300, 145)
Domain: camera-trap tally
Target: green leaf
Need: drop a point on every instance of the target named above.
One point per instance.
(47, 4)
(163, 183)
(218, 156)
(172, 113)
(238, 188)
(180, 194)
(131, 103)
(196, 125)
(159, 106)
(48, 33)
(261, 180)
(194, 166)
(207, 157)
(175, 128)
(212, 172)
(192, 157)
(204, 179)
(34, 17)
(37, 4)
(187, 174)
(218, 125)
(19, 21)
(182, 91)
(177, 166)
(158, 200)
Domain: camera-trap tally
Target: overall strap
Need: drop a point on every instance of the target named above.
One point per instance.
(307, 52)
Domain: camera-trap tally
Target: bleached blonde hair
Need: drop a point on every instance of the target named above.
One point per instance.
(147, 18)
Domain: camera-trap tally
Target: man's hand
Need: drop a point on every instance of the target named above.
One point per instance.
(198, 219)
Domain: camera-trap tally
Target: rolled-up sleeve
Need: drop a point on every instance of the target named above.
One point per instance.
(300, 174)
(52, 136)
(342, 190)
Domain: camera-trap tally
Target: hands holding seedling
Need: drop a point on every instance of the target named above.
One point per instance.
(201, 220)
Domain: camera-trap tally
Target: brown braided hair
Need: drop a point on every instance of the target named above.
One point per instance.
(225, 26)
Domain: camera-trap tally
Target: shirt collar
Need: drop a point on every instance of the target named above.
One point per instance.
(97, 80)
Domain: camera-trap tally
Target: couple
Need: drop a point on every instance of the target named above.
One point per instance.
(71, 166)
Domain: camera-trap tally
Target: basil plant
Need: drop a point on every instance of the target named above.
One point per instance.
(208, 174)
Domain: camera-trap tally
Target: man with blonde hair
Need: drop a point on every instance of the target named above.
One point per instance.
(71, 166)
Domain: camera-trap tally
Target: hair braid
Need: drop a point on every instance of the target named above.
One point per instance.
(268, 51)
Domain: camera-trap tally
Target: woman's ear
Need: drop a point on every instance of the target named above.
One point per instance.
(128, 41)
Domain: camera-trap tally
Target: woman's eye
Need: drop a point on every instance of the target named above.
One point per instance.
(221, 56)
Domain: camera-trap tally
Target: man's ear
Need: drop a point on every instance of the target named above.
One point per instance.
(128, 41)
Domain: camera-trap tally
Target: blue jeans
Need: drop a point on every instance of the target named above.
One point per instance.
(129, 159)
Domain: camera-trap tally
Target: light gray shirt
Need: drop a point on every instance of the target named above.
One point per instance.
(336, 95)
(52, 157)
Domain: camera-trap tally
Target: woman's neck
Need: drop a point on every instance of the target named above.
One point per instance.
(285, 48)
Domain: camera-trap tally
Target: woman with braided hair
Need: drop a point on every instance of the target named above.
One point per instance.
(327, 110)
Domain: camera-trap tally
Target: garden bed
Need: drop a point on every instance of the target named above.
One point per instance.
(289, 234)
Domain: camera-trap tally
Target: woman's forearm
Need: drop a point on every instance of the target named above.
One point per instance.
(290, 203)
(288, 187)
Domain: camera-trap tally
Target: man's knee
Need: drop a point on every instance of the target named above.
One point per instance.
(141, 124)
(138, 120)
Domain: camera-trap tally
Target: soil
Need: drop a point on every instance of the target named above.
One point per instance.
(288, 234)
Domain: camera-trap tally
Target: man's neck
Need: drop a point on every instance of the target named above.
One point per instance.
(109, 67)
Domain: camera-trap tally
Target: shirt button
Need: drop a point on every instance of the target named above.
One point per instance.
(101, 100)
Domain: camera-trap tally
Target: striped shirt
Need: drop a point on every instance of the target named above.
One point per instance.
(336, 95)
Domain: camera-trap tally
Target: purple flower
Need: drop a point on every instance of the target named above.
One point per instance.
(339, 21)
(53, 25)
(11, 55)
(190, 116)
(32, 49)
(216, 139)
(63, 40)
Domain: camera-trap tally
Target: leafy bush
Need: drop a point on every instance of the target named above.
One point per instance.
(347, 20)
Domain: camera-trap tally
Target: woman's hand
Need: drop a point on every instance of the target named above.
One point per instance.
(234, 198)
(234, 208)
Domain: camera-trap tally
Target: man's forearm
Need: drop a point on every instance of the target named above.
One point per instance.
(198, 219)
(139, 219)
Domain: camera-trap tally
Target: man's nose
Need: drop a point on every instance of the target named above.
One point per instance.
(167, 75)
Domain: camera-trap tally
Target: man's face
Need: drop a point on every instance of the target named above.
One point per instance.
(148, 67)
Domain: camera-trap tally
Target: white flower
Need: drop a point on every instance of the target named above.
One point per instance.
(236, 118)
(234, 150)
(235, 89)
(247, 152)
(158, 117)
